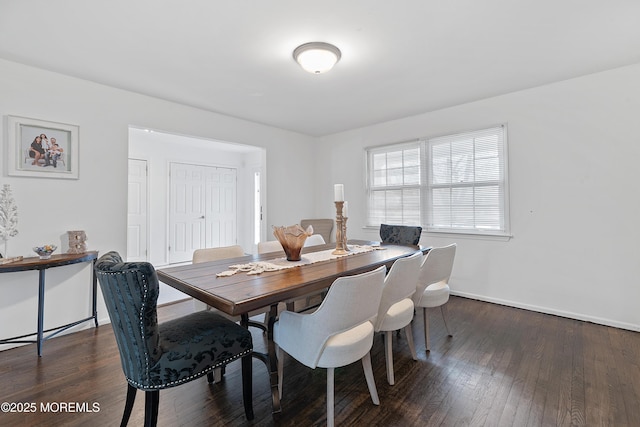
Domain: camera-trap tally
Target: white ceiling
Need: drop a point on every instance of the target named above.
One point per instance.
(399, 58)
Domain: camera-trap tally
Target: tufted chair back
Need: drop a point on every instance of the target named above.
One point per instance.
(130, 292)
(158, 356)
(400, 234)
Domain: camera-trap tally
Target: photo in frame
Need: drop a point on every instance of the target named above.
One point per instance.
(40, 148)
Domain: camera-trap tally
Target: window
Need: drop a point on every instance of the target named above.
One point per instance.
(455, 183)
(394, 184)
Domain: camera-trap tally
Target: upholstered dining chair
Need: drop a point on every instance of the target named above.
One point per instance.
(400, 234)
(433, 285)
(396, 306)
(314, 240)
(269, 246)
(158, 356)
(225, 252)
(216, 254)
(337, 334)
(322, 226)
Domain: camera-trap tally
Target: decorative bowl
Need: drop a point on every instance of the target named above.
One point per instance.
(292, 239)
(45, 251)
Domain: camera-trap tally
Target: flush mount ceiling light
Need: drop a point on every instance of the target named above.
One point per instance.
(317, 57)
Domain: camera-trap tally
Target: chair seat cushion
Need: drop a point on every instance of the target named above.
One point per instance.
(434, 295)
(347, 347)
(192, 346)
(398, 316)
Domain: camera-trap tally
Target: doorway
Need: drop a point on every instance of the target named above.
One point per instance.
(202, 209)
(137, 207)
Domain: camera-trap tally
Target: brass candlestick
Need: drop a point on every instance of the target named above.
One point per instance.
(341, 240)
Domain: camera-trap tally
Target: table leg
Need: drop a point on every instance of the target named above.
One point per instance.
(40, 338)
(273, 363)
(269, 359)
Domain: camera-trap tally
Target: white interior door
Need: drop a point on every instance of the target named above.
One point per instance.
(186, 211)
(220, 214)
(137, 214)
(202, 209)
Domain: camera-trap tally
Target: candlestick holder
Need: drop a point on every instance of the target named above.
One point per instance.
(341, 241)
(344, 233)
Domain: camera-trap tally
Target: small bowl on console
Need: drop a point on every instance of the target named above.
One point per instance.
(45, 251)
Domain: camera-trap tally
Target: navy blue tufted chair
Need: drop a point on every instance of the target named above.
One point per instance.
(400, 234)
(158, 356)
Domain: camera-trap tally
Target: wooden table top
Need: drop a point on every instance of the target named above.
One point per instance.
(242, 293)
(35, 263)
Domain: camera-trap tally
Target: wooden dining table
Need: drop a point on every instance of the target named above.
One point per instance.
(242, 293)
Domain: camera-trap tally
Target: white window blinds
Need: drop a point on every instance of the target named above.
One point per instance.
(455, 183)
(394, 185)
(466, 182)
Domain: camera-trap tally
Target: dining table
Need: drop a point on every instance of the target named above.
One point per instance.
(236, 287)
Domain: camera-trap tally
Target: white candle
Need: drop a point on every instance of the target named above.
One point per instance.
(338, 191)
(345, 212)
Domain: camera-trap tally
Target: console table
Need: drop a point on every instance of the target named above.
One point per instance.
(35, 263)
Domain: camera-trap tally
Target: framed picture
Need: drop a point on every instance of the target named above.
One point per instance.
(42, 149)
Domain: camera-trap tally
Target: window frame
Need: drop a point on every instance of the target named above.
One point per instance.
(425, 187)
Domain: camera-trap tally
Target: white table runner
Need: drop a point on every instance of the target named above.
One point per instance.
(282, 263)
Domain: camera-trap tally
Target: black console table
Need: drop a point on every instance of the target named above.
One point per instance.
(35, 263)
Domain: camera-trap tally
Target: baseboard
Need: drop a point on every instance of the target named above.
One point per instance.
(546, 310)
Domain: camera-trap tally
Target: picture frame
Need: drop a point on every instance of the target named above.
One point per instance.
(40, 148)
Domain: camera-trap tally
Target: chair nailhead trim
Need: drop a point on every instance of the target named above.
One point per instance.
(190, 377)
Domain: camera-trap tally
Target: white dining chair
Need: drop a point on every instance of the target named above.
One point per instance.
(269, 246)
(215, 254)
(433, 285)
(337, 334)
(396, 306)
(314, 240)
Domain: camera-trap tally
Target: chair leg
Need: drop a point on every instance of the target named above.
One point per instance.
(330, 397)
(388, 355)
(151, 400)
(128, 406)
(280, 357)
(409, 333)
(217, 375)
(426, 328)
(444, 311)
(247, 386)
(368, 374)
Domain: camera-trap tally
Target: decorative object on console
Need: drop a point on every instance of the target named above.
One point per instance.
(9, 260)
(292, 239)
(8, 217)
(77, 239)
(45, 251)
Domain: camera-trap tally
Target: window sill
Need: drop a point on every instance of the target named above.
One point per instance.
(463, 235)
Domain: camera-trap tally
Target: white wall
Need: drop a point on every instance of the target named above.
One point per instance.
(573, 158)
(97, 201)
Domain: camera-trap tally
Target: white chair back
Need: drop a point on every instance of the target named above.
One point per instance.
(436, 267)
(269, 246)
(350, 302)
(314, 240)
(215, 254)
(399, 284)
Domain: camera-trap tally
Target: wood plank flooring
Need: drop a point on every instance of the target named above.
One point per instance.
(503, 367)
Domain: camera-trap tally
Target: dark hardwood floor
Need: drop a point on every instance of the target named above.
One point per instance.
(503, 367)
